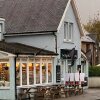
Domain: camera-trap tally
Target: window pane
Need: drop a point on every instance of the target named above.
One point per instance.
(4, 75)
(44, 59)
(49, 72)
(43, 73)
(70, 31)
(0, 28)
(17, 73)
(37, 59)
(31, 59)
(49, 60)
(69, 66)
(24, 74)
(24, 59)
(37, 73)
(65, 30)
(31, 73)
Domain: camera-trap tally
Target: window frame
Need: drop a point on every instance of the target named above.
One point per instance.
(68, 31)
(0, 27)
(34, 63)
(6, 62)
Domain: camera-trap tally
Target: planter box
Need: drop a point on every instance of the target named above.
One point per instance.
(94, 82)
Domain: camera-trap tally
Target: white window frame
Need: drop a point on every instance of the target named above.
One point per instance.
(0, 28)
(40, 62)
(4, 87)
(68, 32)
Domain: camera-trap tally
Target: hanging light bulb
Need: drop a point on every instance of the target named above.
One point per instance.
(17, 64)
(43, 64)
(37, 65)
(8, 65)
(30, 64)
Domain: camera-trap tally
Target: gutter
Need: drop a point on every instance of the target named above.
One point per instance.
(29, 33)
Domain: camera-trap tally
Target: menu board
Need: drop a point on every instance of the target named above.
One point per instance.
(58, 73)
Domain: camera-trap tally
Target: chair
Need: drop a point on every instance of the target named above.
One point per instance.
(67, 84)
(55, 91)
(23, 94)
(63, 91)
(48, 95)
(77, 83)
(71, 84)
(39, 94)
(67, 79)
(82, 76)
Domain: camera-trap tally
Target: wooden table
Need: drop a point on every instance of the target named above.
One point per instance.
(24, 92)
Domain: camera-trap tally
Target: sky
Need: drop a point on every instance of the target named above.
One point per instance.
(88, 9)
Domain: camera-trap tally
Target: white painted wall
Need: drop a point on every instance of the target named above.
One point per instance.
(69, 17)
(41, 41)
(9, 92)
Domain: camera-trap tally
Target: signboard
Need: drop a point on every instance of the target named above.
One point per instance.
(58, 73)
(66, 54)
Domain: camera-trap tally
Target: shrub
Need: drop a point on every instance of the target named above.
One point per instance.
(94, 71)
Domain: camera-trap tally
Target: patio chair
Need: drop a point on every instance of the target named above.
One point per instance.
(67, 83)
(71, 84)
(39, 94)
(48, 95)
(82, 76)
(77, 90)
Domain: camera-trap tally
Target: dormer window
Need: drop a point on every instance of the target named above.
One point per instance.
(2, 29)
(68, 32)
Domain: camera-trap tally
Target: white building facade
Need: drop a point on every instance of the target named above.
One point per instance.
(47, 65)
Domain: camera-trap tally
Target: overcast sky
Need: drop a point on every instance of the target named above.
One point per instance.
(88, 9)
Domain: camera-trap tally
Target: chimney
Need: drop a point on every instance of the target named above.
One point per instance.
(2, 28)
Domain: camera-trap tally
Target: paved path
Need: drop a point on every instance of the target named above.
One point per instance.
(89, 94)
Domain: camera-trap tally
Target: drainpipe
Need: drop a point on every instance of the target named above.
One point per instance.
(15, 78)
(55, 41)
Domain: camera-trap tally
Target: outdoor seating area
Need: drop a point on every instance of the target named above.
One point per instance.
(74, 83)
(73, 86)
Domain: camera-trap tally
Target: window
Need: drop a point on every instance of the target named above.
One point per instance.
(0, 28)
(24, 74)
(68, 31)
(69, 66)
(4, 74)
(33, 71)
(49, 72)
(44, 77)
(37, 73)
(87, 47)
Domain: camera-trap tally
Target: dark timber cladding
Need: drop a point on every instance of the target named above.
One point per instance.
(32, 15)
(18, 48)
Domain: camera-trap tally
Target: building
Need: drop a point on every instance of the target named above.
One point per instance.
(40, 43)
(89, 48)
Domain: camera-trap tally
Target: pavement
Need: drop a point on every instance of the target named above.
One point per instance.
(89, 94)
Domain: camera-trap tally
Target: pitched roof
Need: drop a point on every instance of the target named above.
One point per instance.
(87, 39)
(18, 48)
(32, 15)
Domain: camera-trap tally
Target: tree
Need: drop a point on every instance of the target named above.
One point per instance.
(93, 27)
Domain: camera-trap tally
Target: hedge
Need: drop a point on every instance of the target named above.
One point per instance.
(94, 71)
